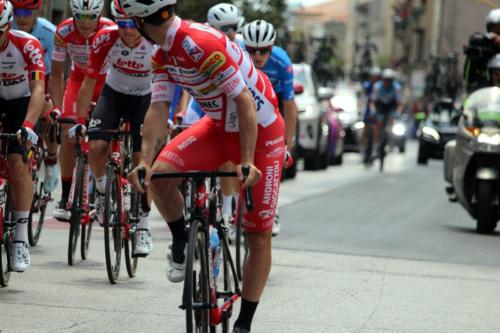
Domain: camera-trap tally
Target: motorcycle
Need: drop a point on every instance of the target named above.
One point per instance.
(472, 160)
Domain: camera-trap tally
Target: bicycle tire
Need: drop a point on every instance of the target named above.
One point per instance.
(112, 224)
(76, 211)
(241, 244)
(87, 228)
(382, 153)
(39, 204)
(196, 294)
(5, 248)
(131, 261)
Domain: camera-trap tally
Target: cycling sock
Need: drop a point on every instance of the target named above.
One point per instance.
(143, 219)
(21, 218)
(178, 230)
(227, 205)
(246, 314)
(100, 184)
(66, 186)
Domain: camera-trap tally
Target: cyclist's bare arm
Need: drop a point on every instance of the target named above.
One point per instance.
(155, 131)
(247, 116)
(85, 95)
(290, 112)
(37, 101)
(56, 83)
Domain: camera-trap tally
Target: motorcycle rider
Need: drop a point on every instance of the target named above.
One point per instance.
(494, 70)
(481, 48)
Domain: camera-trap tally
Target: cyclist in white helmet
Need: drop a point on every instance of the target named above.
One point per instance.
(494, 70)
(74, 38)
(259, 39)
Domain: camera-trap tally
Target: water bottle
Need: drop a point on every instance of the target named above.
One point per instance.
(215, 248)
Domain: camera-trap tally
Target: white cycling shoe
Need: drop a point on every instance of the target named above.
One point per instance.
(143, 243)
(20, 257)
(176, 271)
(231, 232)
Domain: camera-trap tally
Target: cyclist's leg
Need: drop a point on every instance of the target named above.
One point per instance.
(258, 225)
(22, 186)
(52, 170)
(197, 148)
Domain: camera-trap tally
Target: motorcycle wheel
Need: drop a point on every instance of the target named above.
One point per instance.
(486, 213)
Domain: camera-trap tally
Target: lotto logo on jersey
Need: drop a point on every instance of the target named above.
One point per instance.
(129, 63)
(192, 49)
(33, 53)
(215, 61)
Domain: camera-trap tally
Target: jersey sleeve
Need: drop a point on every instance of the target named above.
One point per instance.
(50, 50)
(218, 65)
(163, 89)
(59, 51)
(33, 56)
(375, 92)
(286, 77)
(101, 45)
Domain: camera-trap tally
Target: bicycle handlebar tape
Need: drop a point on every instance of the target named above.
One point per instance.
(245, 169)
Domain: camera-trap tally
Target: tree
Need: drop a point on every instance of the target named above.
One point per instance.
(272, 11)
(195, 10)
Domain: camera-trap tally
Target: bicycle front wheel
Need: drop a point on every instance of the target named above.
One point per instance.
(76, 211)
(241, 241)
(112, 224)
(5, 247)
(87, 228)
(131, 261)
(382, 152)
(37, 214)
(196, 296)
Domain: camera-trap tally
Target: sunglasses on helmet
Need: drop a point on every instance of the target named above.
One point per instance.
(260, 50)
(22, 12)
(86, 17)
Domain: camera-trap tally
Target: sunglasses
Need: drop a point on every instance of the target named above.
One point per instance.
(23, 12)
(86, 17)
(260, 50)
(126, 23)
(229, 28)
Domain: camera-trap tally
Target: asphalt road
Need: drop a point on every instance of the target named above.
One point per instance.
(360, 251)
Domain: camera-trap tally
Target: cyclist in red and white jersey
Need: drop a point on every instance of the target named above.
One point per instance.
(243, 125)
(74, 37)
(22, 98)
(126, 94)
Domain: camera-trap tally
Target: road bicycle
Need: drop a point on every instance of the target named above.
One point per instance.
(211, 284)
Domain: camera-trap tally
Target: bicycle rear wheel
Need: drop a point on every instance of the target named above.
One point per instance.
(112, 224)
(196, 296)
(76, 211)
(87, 228)
(241, 241)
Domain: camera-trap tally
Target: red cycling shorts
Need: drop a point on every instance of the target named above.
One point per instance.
(205, 146)
(71, 96)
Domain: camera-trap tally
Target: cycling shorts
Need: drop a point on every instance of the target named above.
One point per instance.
(71, 96)
(204, 146)
(381, 116)
(111, 107)
(12, 116)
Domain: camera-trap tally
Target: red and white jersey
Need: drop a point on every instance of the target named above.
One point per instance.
(130, 72)
(21, 61)
(69, 40)
(214, 71)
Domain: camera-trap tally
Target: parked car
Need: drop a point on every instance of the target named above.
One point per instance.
(437, 130)
(336, 128)
(346, 101)
(313, 132)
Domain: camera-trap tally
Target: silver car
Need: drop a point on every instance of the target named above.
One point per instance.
(313, 120)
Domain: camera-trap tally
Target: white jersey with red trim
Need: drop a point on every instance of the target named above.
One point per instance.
(130, 72)
(20, 62)
(214, 71)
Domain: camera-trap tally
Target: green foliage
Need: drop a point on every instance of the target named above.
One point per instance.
(195, 10)
(272, 11)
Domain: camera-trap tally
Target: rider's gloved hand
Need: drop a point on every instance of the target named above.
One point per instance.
(289, 161)
(26, 133)
(80, 126)
(53, 114)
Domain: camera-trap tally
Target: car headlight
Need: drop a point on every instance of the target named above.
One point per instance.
(359, 125)
(431, 132)
(489, 139)
(398, 129)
